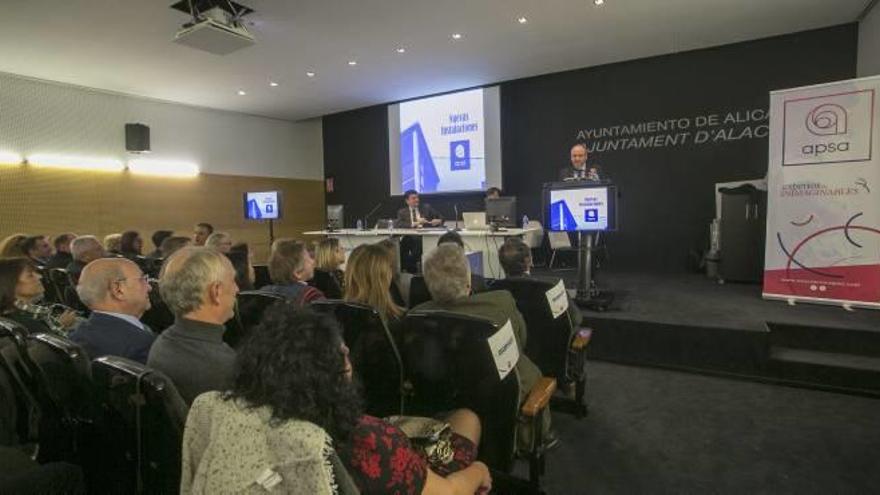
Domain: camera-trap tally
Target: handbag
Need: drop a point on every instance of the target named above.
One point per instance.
(433, 437)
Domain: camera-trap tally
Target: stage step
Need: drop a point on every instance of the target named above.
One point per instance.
(840, 370)
(825, 339)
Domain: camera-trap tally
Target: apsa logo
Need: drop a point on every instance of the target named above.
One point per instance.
(831, 128)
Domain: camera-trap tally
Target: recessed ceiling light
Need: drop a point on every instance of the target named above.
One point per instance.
(310, 74)
(599, 2)
(401, 50)
(456, 36)
(241, 92)
(352, 62)
(522, 20)
(273, 84)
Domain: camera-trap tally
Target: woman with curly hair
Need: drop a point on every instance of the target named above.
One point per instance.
(294, 373)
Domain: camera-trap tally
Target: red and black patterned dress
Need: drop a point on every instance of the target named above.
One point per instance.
(382, 461)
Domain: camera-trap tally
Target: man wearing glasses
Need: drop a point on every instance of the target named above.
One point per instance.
(118, 294)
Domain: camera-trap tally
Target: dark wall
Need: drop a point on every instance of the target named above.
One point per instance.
(667, 192)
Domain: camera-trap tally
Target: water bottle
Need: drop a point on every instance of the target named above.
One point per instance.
(360, 224)
(525, 223)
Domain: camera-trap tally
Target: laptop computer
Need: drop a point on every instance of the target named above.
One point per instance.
(475, 221)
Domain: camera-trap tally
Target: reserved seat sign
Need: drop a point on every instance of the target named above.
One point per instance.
(557, 297)
(504, 350)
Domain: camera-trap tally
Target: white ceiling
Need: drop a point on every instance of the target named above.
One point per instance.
(125, 45)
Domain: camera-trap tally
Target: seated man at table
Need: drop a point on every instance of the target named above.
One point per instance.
(448, 277)
(515, 257)
(414, 216)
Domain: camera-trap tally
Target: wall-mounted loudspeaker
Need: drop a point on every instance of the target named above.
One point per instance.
(137, 138)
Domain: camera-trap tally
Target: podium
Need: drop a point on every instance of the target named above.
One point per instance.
(586, 208)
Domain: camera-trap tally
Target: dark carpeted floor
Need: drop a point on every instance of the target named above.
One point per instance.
(658, 431)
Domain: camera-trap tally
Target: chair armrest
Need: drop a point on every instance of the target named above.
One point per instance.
(581, 340)
(539, 397)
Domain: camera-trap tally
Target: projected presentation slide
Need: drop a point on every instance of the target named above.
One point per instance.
(579, 209)
(446, 143)
(262, 205)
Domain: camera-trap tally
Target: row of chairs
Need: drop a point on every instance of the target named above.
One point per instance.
(118, 420)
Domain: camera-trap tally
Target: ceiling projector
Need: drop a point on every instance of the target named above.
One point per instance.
(216, 26)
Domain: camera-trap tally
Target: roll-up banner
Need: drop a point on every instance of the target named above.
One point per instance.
(823, 219)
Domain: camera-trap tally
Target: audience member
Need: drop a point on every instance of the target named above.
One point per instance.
(329, 257)
(447, 275)
(290, 268)
(158, 237)
(172, 244)
(515, 257)
(131, 244)
(293, 385)
(478, 282)
(201, 232)
(84, 249)
(242, 262)
(62, 256)
(37, 248)
(198, 284)
(367, 278)
(221, 241)
(117, 292)
(113, 244)
(20, 289)
(10, 247)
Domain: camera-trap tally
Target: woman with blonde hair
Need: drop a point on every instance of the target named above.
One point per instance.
(368, 276)
(329, 256)
(10, 247)
(113, 244)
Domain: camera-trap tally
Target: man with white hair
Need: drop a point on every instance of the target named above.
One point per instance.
(117, 292)
(198, 285)
(448, 277)
(84, 249)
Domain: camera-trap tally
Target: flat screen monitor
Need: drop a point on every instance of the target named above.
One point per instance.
(501, 211)
(263, 205)
(335, 218)
(582, 208)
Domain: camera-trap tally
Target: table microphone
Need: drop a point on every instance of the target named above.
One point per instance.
(368, 215)
(457, 229)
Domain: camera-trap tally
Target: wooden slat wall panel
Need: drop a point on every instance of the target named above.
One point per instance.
(50, 201)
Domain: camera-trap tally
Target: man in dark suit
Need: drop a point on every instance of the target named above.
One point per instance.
(117, 292)
(578, 169)
(62, 256)
(415, 215)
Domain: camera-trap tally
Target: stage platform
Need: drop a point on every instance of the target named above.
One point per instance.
(688, 321)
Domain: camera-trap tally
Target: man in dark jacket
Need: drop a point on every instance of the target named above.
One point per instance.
(117, 292)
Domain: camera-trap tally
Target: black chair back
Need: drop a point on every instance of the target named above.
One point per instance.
(449, 365)
(67, 374)
(56, 282)
(159, 316)
(373, 354)
(549, 337)
(143, 419)
(42, 421)
(261, 276)
(418, 291)
(325, 282)
(249, 308)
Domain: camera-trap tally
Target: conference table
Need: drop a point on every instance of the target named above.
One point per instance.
(483, 241)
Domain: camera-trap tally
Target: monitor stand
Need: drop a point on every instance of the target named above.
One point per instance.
(589, 296)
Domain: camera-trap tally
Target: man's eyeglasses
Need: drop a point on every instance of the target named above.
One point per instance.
(143, 278)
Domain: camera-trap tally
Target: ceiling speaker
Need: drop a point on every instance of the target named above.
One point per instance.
(137, 138)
